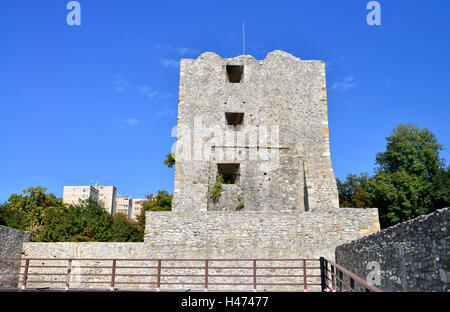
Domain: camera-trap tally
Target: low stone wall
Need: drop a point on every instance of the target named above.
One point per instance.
(96, 273)
(213, 235)
(256, 234)
(11, 241)
(411, 256)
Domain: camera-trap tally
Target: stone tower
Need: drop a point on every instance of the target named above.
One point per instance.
(262, 126)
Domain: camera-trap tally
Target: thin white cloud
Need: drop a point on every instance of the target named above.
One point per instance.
(164, 111)
(157, 46)
(180, 50)
(167, 96)
(187, 51)
(131, 121)
(120, 84)
(346, 84)
(147, 91)
(170, 63)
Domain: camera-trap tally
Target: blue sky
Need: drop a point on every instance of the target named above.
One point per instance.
(97, 102)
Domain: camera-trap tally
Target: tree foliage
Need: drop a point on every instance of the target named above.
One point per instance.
(354, 192)
(160, 202)
(48, 219)
(25, 211)
(409, 181)
(441, 188)
(216, 191)
(170, 160)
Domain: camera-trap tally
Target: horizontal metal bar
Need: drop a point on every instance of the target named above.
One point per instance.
(354, 277)
(288, 284)
(136, 283)
(42, 282)
(91, 266)
(235, 284)
(151, 259)
(136, 274)
(11, 273)
(136, 267)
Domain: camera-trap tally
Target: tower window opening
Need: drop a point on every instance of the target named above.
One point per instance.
(235, 73)
(229, 172)
(234, 119)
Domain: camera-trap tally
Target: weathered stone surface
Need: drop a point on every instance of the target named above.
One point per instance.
(412, 256)
(256, 234)
(215, 235)
(280, 91)
(11, 241)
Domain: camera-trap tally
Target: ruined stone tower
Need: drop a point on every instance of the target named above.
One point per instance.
(262, 126)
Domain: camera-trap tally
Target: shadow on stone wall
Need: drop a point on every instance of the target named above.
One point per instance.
(11, 243)
(410, 256)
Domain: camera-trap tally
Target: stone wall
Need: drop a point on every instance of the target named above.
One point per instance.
(256, 234)
(412, 256)
(282, 145)
(11, 242)
(62, 251)
(214, 235)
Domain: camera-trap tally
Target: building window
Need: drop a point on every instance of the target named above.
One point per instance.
(229, 172)
(234, 119)
(235, 72)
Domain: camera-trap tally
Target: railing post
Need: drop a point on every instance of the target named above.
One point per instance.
(323, 280)
(352, 284)
(158, 277)
(305, 287)
(69, 270)
(333, 279)
(206, 275)
(254, 275)
(113, 274)
(341, 281)
(25, 274)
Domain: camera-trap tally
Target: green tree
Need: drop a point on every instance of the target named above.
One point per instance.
(441, 188)
(354, 192)
(125, 231)
(49, 220)
(26, 212)
(160, 202)
(402, 186)
(86, 221)
(170, 160)
(89, 221)
(411, 150)
(55, 226)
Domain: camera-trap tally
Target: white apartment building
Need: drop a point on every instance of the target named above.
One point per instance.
(123, 205)
(107, 195)
(129, 206)
(136, 208)
(73, 194)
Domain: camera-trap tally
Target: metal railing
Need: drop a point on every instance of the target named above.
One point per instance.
(72, 274)
(336, 278)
